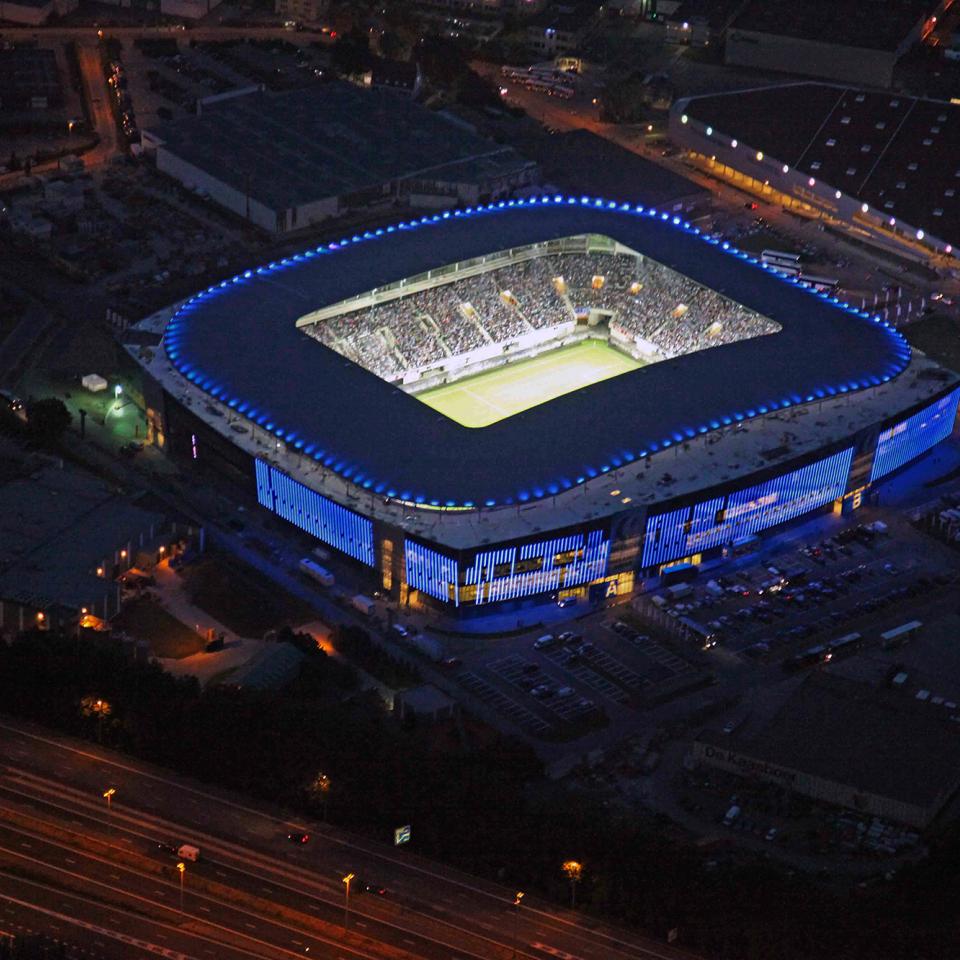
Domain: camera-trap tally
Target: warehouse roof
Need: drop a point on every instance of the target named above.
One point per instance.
(895, 152)
(238, 341)
(880, 25)
(877, 741)
(56, 526)
(292, 148)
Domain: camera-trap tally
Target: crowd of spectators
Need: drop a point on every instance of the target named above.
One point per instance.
(643, 300)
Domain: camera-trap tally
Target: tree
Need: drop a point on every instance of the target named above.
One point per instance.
(47, 420)
(351, 54)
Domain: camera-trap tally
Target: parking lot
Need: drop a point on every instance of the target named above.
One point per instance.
(861, 579)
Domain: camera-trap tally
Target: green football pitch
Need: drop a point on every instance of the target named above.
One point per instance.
(497, 394)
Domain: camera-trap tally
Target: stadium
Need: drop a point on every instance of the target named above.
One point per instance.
(488, 408)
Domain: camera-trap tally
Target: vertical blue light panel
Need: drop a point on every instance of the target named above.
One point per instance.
(720, 520)
(336, 526)
(506, 573)
(915, 435)
(434, 573)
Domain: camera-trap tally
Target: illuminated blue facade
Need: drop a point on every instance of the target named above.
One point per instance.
(507, 573)
(728, 518)
(336, 526)
(916, 435)
(431, 572)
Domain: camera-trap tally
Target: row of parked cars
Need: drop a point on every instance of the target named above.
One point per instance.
(117, 80)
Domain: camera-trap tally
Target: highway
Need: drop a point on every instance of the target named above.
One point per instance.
(65, 857)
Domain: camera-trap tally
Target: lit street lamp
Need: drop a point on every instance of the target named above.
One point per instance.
(321, 787)
(574, 872)
(181, 869)
(346, 902)
(108, 795)
(516, 922)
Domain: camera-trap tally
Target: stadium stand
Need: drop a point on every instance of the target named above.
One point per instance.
(641, 300)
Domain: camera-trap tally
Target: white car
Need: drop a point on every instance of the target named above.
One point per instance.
(565, 692)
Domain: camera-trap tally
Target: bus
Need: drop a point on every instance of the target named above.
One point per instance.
(900, 635)
(313, 570)
(792, 258)
(785, 262)
(820, 284)
(845, 645)
(704, 636)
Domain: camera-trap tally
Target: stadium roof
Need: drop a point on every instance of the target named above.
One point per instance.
(238, 341)
(332, 139)
(880, 25)
(877, 741)
(897, 153)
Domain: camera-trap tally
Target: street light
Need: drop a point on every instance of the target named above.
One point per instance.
(181, 869)
(108, 795)
(516, 922)
(574, 872)
(346, 902)
(321, 786)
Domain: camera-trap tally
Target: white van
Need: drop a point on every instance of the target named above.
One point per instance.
(186, 851)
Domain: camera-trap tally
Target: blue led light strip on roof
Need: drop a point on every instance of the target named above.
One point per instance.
(336, 526)
(431, 572)
(916, 435)
(173, 341)
(721, 520)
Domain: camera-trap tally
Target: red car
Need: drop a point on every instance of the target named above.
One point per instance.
(298, 837)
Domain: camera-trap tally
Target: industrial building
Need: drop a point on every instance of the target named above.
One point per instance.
(65, 537)
(33, 13)
(845, 40)
(848, 744)
(883, 164)
(29, 80)
(285, 161)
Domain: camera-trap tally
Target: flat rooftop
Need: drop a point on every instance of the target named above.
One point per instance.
(897, 153)
(331, 139)
(878, 25)
(56, 526)
(877, 741)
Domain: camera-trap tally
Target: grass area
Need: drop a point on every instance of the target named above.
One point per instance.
(497, 394)
(236, 596)
(169, 638)
(938, 336)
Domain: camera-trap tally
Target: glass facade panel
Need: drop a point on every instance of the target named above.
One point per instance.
(726, 519)
(915, 435)
(336, 526)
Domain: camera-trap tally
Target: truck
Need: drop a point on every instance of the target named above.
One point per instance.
(429, 646)
(679, 591)
(187, 851)
(363, 604)
(314, 571)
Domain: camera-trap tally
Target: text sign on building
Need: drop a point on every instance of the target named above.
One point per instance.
(401, 835)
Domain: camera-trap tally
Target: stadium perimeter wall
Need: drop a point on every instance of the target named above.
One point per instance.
(594, 558)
